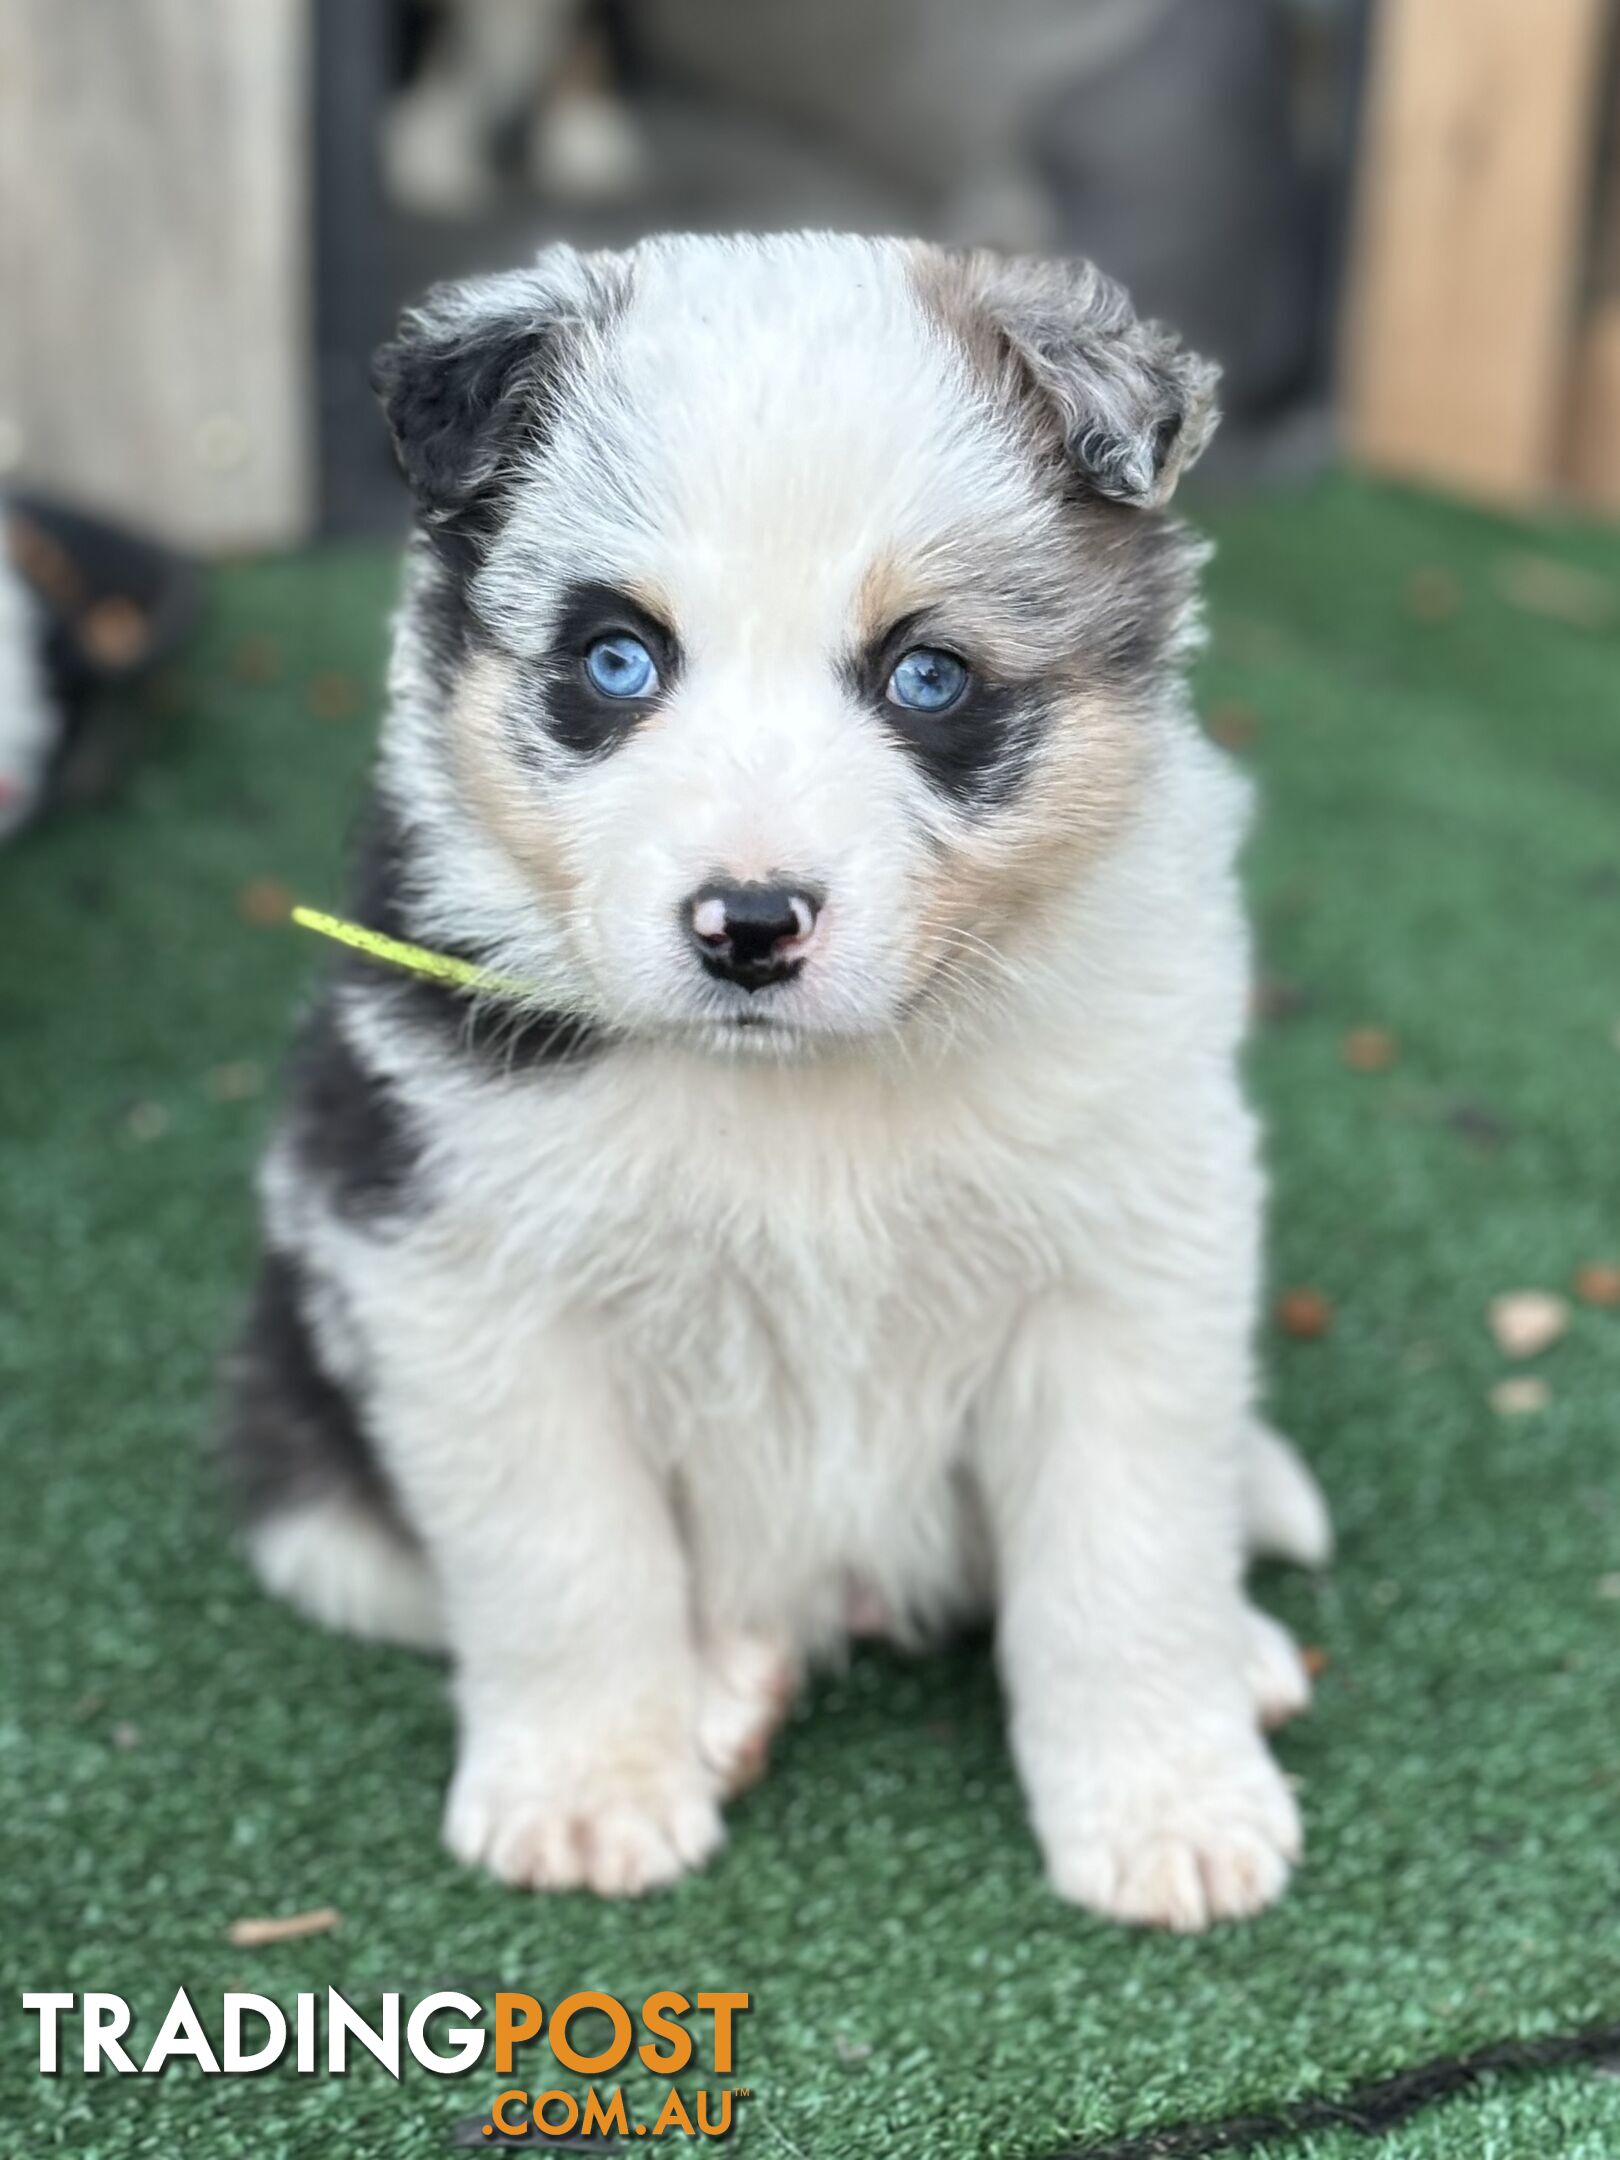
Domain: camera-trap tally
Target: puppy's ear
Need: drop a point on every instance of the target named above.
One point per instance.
(470, 377)
(1133, 406)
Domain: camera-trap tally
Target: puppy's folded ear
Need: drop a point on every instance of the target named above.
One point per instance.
(469, 378)
(1133, 406)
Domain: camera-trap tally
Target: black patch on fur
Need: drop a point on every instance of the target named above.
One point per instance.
(575, 712)
(348, 1125)
(1110, 466)
(441, 618)
(502, 1037)
(977, 752)
(1146, 569)
(291, 1434)
(453, 390)
(471, 382)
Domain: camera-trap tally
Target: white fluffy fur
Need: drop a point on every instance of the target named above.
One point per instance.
(928, 1303)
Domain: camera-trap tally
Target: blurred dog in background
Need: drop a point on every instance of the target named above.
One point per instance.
(533, 69)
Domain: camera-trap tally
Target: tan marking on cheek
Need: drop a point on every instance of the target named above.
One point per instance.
(495, 789)
(993, 883)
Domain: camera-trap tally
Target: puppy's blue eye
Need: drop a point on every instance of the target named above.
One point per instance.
(621, 667)
(926, 680)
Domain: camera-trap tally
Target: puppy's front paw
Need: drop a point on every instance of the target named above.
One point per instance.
(1176, 1844)
(618, 1825)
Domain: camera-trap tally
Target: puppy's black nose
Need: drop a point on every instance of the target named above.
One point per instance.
(752, 935)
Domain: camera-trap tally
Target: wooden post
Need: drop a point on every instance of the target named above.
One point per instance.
(155, 262)
(1594, 441)
(1476, 167)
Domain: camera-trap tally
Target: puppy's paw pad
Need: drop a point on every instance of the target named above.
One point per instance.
(748, 1688)
(1221, 1851)
(1279, 1685)
(613, 1833)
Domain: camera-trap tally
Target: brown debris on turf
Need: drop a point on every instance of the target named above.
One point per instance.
(1598, 1283)
(1432, 595)
(332, 695)
(1233, 724)
(1304, 1313)
(1369, 1049)
(264, 902)
(256, 662)
(254, 1934)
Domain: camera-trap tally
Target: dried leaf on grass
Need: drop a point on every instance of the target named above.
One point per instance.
(1521, 1396)
(1233, 724)
(1526, 1322)
(255, 661)
(1598, 1283)
(254, 1934)
(264, 902)
(1541, 585)
(146, 1121)
(332, 695)
(1304, 1313)
(1432, 595)
(237, 1081)
(1369, 1049)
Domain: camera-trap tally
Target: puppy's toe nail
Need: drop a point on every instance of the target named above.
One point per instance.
(1211, 1841)
(610, 1829)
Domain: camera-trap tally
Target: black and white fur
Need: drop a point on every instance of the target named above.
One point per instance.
(636, 1342)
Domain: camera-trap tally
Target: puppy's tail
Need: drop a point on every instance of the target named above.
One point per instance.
(321, 1527)
(341, 1564)
(1287, 1515)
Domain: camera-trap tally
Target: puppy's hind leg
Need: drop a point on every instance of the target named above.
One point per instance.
(321, 1530)
(1285, 1518)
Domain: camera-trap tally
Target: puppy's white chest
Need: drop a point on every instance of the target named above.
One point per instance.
(798, 1312)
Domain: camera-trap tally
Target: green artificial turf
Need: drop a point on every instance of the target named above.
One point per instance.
(1439, 856)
